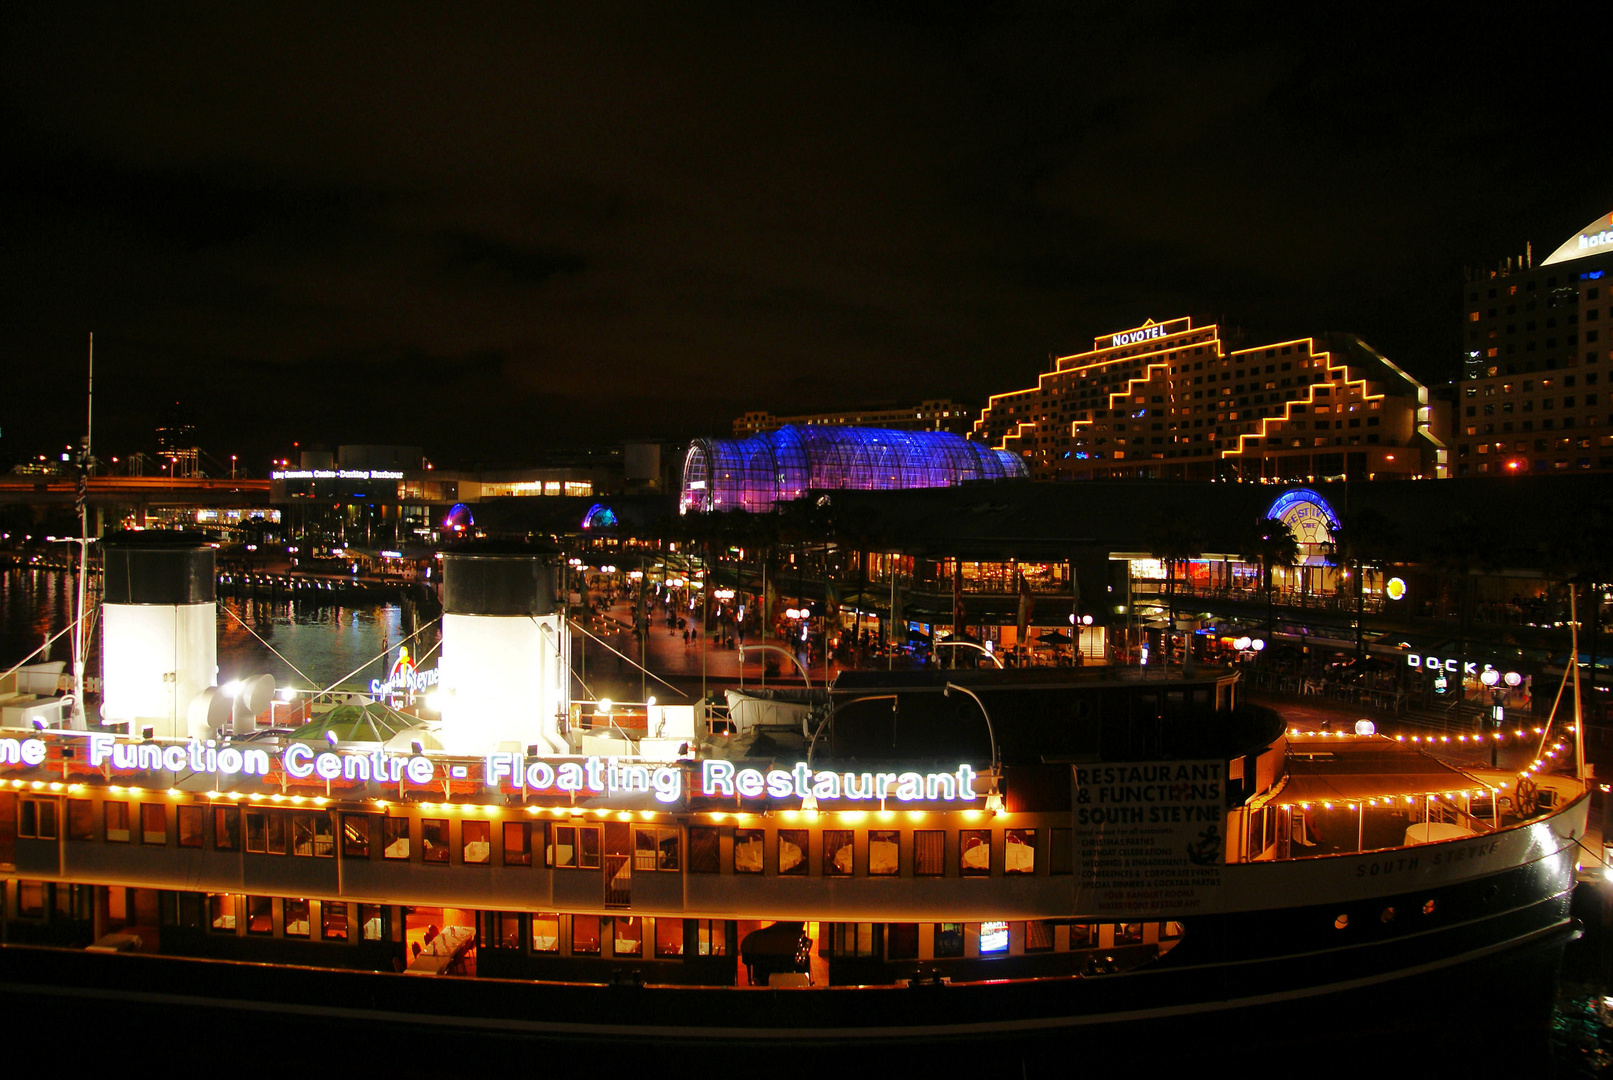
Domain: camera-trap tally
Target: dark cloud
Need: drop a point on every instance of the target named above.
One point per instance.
(489, 228)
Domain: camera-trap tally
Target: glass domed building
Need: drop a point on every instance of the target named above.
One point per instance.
(778, 466)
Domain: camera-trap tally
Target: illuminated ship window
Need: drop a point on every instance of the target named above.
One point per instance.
(779, 466)
(993, 938)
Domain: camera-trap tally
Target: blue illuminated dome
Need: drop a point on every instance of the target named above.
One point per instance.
(780, 466)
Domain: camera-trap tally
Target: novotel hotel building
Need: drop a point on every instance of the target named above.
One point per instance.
(1174, 400)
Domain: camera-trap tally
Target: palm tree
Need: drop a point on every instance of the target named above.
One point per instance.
(1363, 538)
(1173, 541)
(1269, 544)
(1464, 545)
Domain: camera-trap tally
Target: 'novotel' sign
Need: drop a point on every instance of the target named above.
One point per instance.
(1147, 332)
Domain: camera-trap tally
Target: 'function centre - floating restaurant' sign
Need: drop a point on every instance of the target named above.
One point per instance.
(512, 772)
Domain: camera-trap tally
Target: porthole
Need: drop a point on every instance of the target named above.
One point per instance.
(1341, 922)
(1388, 915)
(1429, 906)
(1488, 894)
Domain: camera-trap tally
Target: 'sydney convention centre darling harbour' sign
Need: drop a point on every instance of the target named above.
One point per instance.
(585, 776)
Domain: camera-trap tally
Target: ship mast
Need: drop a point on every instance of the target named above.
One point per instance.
(1579, 710)
(77, 720)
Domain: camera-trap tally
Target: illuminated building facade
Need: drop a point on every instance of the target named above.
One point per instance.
(778, 466)
(1534, 397)
(940, 414)
(1173, 400)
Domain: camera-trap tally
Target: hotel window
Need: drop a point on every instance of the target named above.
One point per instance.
(948, 940)
(117, 822)
(792, 852)
(259, 915)
(332, 920)
(372, 922)
(902, 941)
(929, 852)
(221, 912)
(153, 823)
(356, 831)
(227, 828)
(655, 848)
(1039, 936)
(80, 819)
(1019, 851)
(394, 838)
(974, 853)
(517, 843)
(434, 839)
(37, 819)
(748, 848)
(627, 938)
(295, 913)
(837, 852)
(585, 935)
(546, 933)
(711, 937)
(310, 835)
(190, 825)
(668, 939)
(476, 842)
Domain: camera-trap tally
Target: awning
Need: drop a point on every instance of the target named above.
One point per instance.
(1353, 769)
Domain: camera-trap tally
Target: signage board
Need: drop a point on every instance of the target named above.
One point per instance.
(1149, 836)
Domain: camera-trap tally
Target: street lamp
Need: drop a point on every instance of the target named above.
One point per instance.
(994, 801)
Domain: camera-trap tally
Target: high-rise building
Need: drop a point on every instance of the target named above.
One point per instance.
(1172, 400)
(936, 415)
(1534, 393)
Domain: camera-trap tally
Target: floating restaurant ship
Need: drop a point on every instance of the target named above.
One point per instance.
(905, 858)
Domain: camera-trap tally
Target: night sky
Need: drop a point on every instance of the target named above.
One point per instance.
(491, 230)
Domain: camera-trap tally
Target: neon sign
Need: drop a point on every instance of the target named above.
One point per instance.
(721, 778)
(1131, 337)
(584, 776)
(1593, 239)
(335, 474)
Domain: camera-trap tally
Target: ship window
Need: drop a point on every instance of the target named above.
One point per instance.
(1019, 851)
(1341, 922)
(517, 843)
(190, 825)
(585, 935)
(792, 852)
(993, 939)
(476, 838)
(372, 921)
(266, 831)
(1429, 907)
(395, 838)
(668, 938)
(227, 828)
(295, 913)
(705, 850)
(310, 835)
(929, 852)
(153, 823)
(748, 851)
(38, 819)
(837, 852)
(1038, 936)
(1083, 935)
(562, 848)
(30, 899)
(902, 941)
(974, 853)
(655, 848)
(117, 822)
(588, 847)
(546, 933)
(711, 937)
(854, 939)
(1387, 915)
(1061, 852)
(1170, 931)
(356, 831)
(80, 819)
(434, 839)
(948, 940)
(221, 912)
(627, 938)
(884, 850)
(259, 915)
(1129, 933)
(332, 920)
(500, 930)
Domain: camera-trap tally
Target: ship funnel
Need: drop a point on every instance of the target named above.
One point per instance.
(505, 651)
(159, 629)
